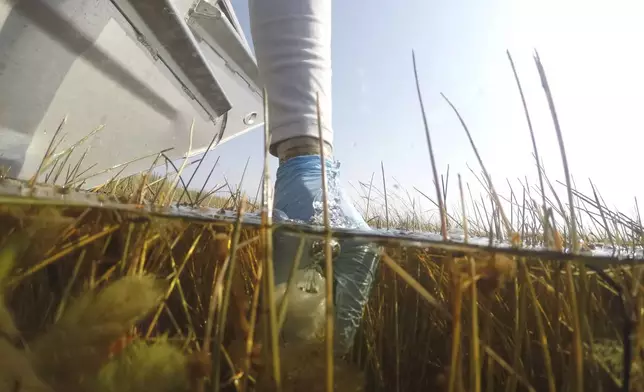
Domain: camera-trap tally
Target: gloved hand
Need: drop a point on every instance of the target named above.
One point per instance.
(298, 194)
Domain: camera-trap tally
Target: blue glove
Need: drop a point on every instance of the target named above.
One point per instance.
(298, 194)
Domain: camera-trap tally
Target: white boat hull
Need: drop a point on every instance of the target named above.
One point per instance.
(86, 61)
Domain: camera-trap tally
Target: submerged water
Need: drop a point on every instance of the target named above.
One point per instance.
(409, 327)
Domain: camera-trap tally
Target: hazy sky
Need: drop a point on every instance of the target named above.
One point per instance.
(593, 53)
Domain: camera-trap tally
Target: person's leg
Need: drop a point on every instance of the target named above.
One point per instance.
(292, 40)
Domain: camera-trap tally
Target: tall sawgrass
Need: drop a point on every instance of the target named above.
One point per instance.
(103, 297)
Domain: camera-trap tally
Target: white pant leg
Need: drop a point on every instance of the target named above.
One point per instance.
(292, 40)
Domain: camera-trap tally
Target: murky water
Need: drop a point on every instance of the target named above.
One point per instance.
(402, 336)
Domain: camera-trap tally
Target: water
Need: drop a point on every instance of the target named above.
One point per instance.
(410, 326)
(14, 191)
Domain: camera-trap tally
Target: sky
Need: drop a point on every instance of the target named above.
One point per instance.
(593, 54)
